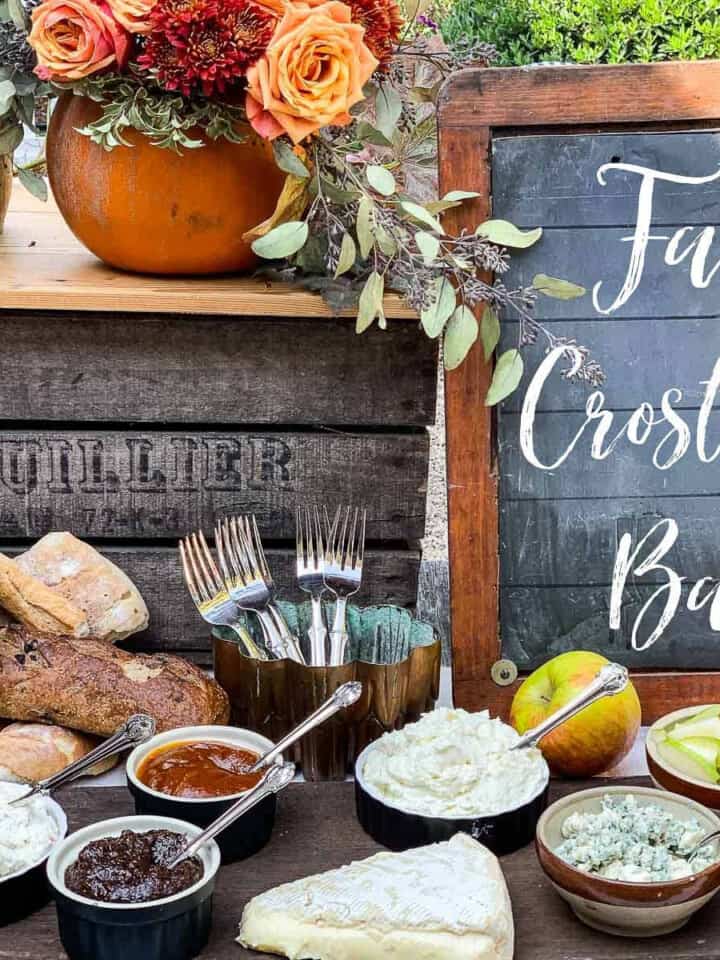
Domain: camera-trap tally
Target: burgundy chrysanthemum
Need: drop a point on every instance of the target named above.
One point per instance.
(383, 22)
(205, 45)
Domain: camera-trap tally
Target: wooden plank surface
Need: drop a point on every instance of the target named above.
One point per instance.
(144, 368)
(389, 576)
(43, 267)
(316, 830)
(150, 485)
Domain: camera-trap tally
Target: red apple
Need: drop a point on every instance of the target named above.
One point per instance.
(593, 740)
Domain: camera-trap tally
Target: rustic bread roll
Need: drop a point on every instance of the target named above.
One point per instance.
(35, 751)
(89, 685)
(75, 571)
(37, 606)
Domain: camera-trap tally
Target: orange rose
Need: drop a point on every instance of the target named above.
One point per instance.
(134, 15)
(74, 38)
(312, 72)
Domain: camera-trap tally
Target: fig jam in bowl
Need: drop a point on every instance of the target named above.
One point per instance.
(195, 774)
(116, 899)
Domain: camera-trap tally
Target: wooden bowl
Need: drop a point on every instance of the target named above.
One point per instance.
(668, 778)
(615, 906)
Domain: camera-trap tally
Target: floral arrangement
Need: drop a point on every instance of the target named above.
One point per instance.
(346, 92)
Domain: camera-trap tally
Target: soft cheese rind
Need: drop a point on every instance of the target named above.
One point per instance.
(446, 900)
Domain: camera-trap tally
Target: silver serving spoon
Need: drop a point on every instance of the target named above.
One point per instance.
(715, 835)
(345, 695)
(609, 680)
(136, 729)
(274, 780)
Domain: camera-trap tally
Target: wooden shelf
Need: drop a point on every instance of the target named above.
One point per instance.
(43, 267)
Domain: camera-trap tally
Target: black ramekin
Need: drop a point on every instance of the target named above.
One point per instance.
(177, 926)
(241, 839)
(399, 829)
(25, 891)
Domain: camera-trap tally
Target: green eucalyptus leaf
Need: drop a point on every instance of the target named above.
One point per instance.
(10, 138)
(4, 11)
(332, 192)
(371, 303)
(440, 206)
(18, 15)
(559, 289)
(388, 107)
(455, 195)
(489, 330)
(282, 241)
(7, 95)
(506, 234)
(369, 134)
(420, 214)
(460, 334)
(442, 304)
(385, 242)
(428, 245)
(380, 179)
(33, 183)
(506, 377)
(364, 227)
(348, 252)
(288, 161)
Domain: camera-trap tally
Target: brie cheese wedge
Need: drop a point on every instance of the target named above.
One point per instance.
(446, 901)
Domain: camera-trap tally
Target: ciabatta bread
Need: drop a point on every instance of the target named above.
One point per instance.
(89, 685)
(76, 572)
(35, 751)
(28, 600)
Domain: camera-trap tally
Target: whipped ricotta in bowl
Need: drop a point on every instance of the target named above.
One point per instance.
(27, 830)
(452, 763)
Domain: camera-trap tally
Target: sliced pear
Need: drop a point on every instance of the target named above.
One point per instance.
(694, 757)
(712, 711)
(707, 727)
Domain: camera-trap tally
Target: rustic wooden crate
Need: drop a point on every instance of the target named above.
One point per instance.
(130, 422)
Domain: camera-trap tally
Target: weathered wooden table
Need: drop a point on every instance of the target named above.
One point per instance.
(135, 409)
(317, 830)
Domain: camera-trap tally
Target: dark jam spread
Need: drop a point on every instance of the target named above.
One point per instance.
(132, 868)
(199, 769)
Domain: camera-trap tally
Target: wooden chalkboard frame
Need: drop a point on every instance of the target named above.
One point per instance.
(474, 106)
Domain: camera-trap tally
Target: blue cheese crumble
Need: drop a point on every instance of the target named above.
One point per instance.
(633, 842)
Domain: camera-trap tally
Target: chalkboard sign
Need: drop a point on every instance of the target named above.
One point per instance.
(588, 517)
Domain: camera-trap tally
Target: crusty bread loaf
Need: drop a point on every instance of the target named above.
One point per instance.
(35, 751)
(74, 570)
(89, 685)
(37, 606)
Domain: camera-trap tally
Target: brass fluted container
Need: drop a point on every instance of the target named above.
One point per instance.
(396, 657)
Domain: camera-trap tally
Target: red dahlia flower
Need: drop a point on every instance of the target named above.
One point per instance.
(383, 22)
(205, 45)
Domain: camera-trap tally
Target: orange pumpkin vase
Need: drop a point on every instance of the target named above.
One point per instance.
(147, 209)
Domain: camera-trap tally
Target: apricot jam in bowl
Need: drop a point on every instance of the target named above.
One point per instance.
(195, 774)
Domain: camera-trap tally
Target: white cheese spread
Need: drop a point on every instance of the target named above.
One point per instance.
(452, 763)
(27, 830)
(633, 842)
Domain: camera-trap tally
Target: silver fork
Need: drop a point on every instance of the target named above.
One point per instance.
(342, 570)
(250, 584)
(208, 592)
(310, 558)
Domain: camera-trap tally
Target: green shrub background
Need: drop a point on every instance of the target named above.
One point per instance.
(589, 31)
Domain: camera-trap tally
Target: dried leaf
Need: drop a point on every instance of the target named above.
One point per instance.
(442, 304)
(385, 242)
(370, 134)
(489, 330)
(348, 252)
(364, 227)
(559, 289)
(455, 195)
(282, 241)
(291, 205)
(380, 179)
(10, 138)
(506, 234)
(371, 303)
(508, 374)
(460, 334)
(428, 245)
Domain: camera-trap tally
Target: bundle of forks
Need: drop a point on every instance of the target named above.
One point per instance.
(329, 561)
